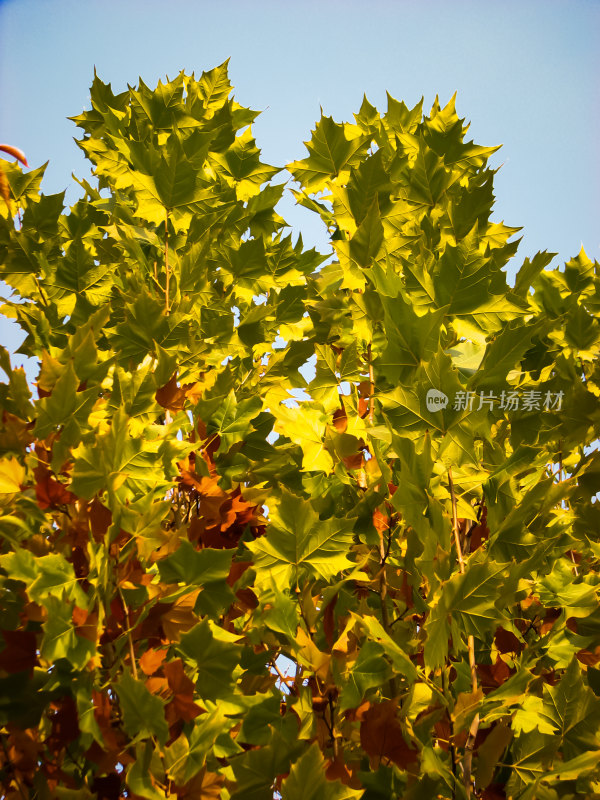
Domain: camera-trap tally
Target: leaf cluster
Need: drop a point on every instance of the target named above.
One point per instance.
(222, 577)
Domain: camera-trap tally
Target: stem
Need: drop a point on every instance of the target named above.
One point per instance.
(470, 744)
(43, 297)
(560, 464)
(372, 389)
(468, 757)
(452, 746)
(459, 555)
(384, 553)
(167, 260)
(334, 740)
(129, 636)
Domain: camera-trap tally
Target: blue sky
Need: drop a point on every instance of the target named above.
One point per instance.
(526, 73)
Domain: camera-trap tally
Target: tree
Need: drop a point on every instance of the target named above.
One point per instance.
(220, 579)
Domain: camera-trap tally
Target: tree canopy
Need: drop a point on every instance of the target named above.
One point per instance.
(223, 575)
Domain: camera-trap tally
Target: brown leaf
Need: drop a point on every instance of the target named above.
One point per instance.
(480, 533)
(49, 492)
(587, 657)
(65, 723)
(236, 571)
(338, 770)
(491, 676)
(329, 620)
(100, 519)
(180, 617)
(203, 786)
(494, 792)
(552, 614)
(507, 642)
(381, 736)
(15, 433)
(107, 787)
(86, 624)
(171, 396)
(19, 653)
(24, 748)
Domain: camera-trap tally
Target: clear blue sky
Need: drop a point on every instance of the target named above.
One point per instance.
(527, 76)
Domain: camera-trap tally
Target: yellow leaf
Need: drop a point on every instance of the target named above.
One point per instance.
(12, 475)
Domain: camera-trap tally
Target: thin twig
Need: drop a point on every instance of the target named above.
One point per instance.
(283, 678)
(575, 570)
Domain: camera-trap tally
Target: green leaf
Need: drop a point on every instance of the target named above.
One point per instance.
(368, 671)
(331, 154)
(123, 466)
(307, 780)
(367, 241)
(256, 770)
(143, 712)
(195, 567)
(61, 639)
(139, 776)
(471, 600)
(298, 543)
(213, 658)
(185, 762)
(575, 710)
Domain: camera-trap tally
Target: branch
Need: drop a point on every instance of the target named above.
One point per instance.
(470, 744)
(283, 678)
(167, 260)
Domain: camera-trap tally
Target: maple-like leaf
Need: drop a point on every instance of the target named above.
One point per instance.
(298, 544)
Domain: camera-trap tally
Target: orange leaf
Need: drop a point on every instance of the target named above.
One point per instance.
(15, 153)
(4, 188)
(152, 660)
(340, 420)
